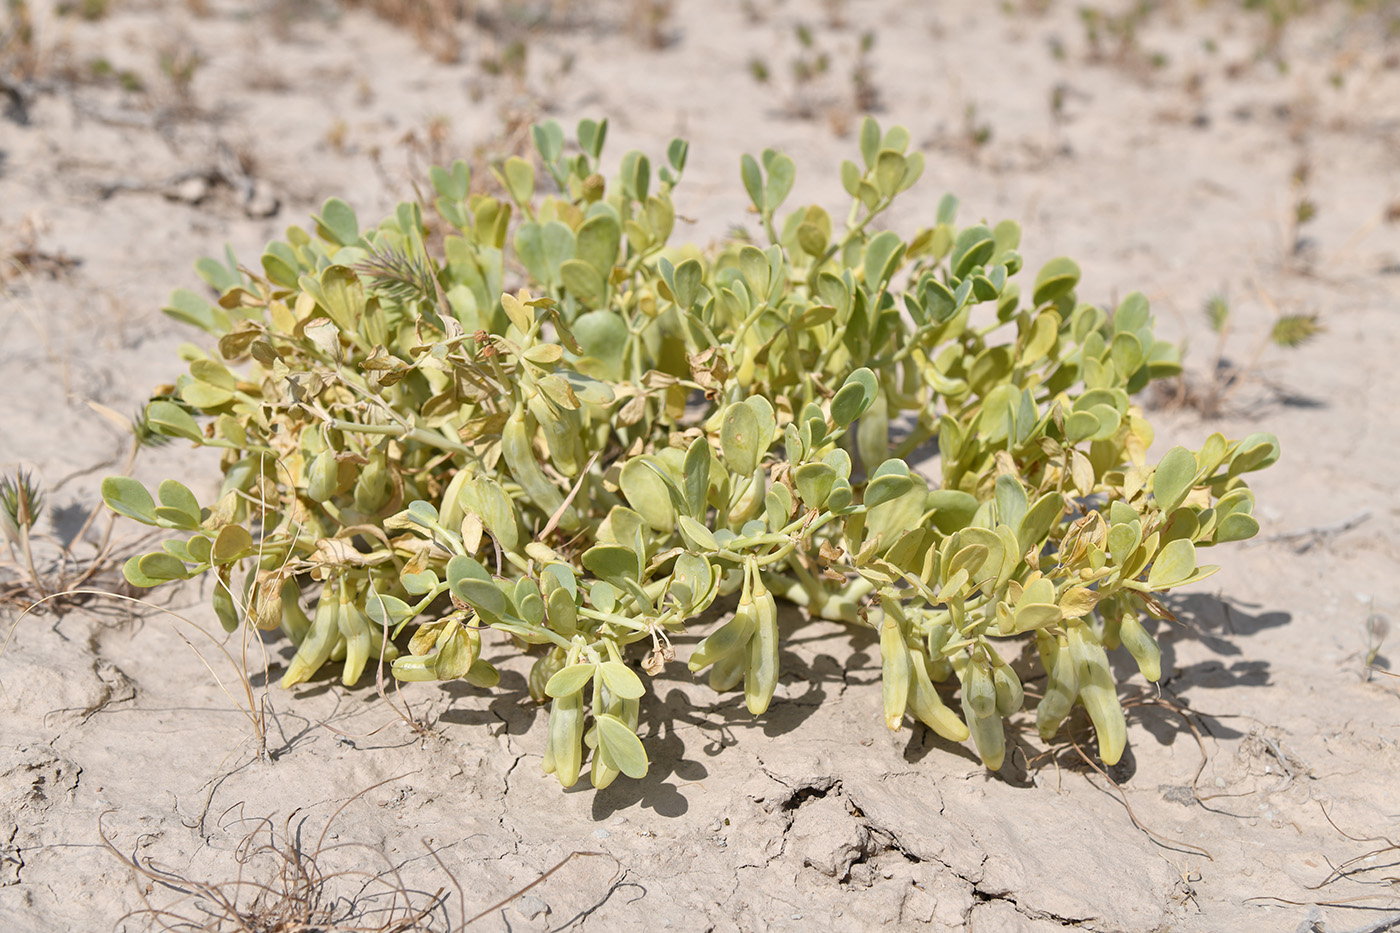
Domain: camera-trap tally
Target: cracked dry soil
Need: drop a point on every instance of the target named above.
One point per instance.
(1169, 165)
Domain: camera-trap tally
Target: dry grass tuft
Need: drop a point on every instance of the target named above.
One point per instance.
(281, 886)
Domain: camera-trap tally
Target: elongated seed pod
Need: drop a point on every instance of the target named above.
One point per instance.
(733, 636)
(1047, 648)
(928, 706)
(222, 599)
(519, 454)
(294, 621)
(548, 763)
(451, 512)
(1111, 637)
(978, 689)
(988, 734)
(374, 485)
(747, 506)
(1098, 692)
(379, 647)
(939, 667)
(545, 667)
(561, 433)
(729, 670)
(1061, 687)
(1142, 646)
(315, 649)
(895, 671)
(1010, 696)
(761, 676)
(323, 476)
(566, 737)
(354, 626)
(414, 668)
(603, 771)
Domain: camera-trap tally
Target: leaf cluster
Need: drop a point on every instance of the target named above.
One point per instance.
(554, 423)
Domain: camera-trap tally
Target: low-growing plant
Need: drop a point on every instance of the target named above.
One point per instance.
(1226, 376)
(550, 422)
(49, 569)
(807, 85)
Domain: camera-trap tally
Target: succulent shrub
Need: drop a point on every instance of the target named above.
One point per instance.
(531, 413)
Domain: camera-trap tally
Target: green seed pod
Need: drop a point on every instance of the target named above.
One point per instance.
(379, 648)
(222, 599)
(1142, 646)
(355, 628)
(519, 454)
(374, 486)
(561, 433)
(451, 511)
(601, 773)
(1098, 693)
(978, 688)
(315, 649)
(1111, 636)
(548, 763)
(412, 668)
(545, 667)
(566, 737)
(928, 706)
(761, 675)
(323, 476)
(730, 638)
(1062, 684)
(895, 670)
(728, 671)
(939, 667)
(751, 501)
(988, 734)
(294, 621)
(1010, 696)
(604, 770)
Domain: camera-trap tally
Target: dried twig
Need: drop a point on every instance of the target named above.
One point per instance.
(1161, 840)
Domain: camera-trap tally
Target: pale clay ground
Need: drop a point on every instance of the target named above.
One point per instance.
(814, 817)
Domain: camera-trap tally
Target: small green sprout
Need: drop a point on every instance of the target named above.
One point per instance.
(21, 505)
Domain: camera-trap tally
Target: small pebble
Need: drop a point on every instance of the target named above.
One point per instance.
(601, 834)
(531, 907)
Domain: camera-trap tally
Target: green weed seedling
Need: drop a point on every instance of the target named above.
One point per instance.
(552, 423)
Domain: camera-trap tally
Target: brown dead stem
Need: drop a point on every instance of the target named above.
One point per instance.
(281, 886)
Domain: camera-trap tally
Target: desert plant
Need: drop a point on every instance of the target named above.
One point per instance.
(806, 84)
(595, 459)
(1225, 376)
(53, 573)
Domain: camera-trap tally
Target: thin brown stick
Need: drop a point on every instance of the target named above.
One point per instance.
(1163, 841)
(566, 860)
(569, 499)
